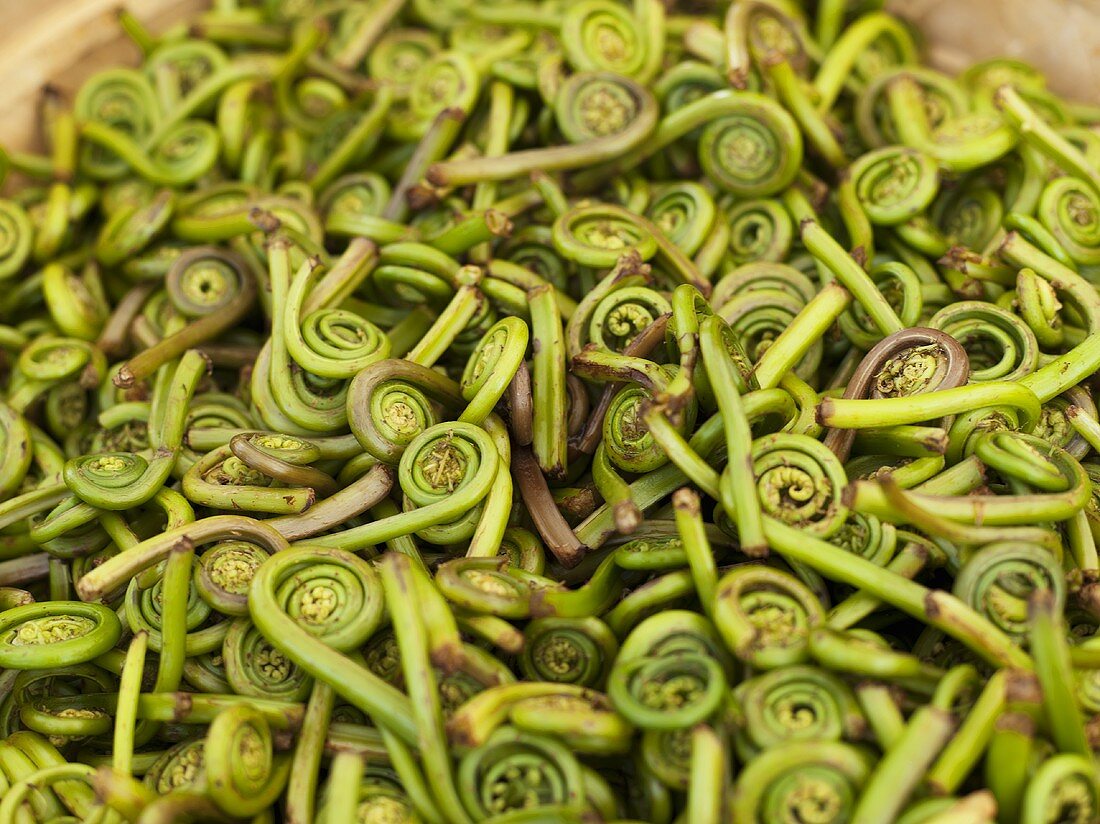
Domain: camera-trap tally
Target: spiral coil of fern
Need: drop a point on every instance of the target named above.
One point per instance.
(120, 569)
(998, 578)
(220, 479)
(37, 636)
(600, 113)
(868, 537)
(1039, 307)
(183, 152)
(179, 767)
(763, 276)
(442, 469)
(569, 650)
(765, 615)
(1062, 780)
(942, 99)
(754, 31)
(352, 206)
(793, 777)
(901, 287)
(486, 585)
(389, 405)
(373, 795)
(16, 237)
(760, 230)
(33, 693)
(244, 775)
(48, 362)
(491, 367)
(668, 691)
(124, 99)
(685, 212)
(799, 482)
(753, 153)
(255, 667)
(446, 77)
(330, 343)
(123, 480)
(962, 143)
(797, 703)
(1068, 209)
(997, 344)
(215, 288)
(894, 184)
(627, 440)
(519, 771)
(286, 395)
(344, 618)
(284, 458)
(900, 365)
(600, 35)
(1024, 458)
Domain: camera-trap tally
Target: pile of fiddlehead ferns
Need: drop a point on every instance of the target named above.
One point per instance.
(563, 411)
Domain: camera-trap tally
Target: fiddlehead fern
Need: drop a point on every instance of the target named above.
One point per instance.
(797, 703)
(442, 473)
(998, 579)
(180, 767)
(894, 184)
(243, 773)
(793, 779)
(1061, 780)
(513, 770)
(389, 404)
(760, 230)
(57, 633)
(122, 99)
(224, 573)
(599, 35)
(904, 364)
(765, 615)
(1070, 209)
(799, 481)
(16, 238)
(330, 343)
(569, 651)
(600, 114)
(998, 345)
(754, 153)
(212, 286)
